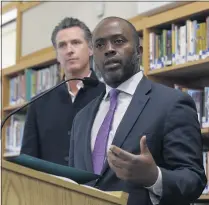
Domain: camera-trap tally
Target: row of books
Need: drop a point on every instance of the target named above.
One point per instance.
(14, 133)
(201, 99)
(32, 82)
(180, 44)
(206, 168)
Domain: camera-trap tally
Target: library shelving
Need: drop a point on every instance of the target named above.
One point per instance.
(13, 107)
(31, 76)
(205, 131)
(204, 198)
(175, 53)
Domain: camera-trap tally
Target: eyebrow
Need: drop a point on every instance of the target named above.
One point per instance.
(110, 36)
(61, 42)
(99, 39)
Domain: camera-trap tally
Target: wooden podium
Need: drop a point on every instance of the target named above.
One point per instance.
(23, 186)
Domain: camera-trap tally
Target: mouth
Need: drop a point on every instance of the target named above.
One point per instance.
(72, 59)
(112, 64)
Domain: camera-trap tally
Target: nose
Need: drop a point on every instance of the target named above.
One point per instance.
(70, 49)
(110, 50)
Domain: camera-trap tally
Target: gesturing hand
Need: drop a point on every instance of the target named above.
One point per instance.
(139, 169)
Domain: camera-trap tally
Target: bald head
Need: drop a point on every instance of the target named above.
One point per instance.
(112, 19)
(116, 50)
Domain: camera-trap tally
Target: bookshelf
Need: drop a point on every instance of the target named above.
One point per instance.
(205, 131)
(12, 107)
(194, 74)
(190, 69)
(197, 68)
(204, 197)
(36, 63)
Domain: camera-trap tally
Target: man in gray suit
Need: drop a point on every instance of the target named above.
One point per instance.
(141, 137)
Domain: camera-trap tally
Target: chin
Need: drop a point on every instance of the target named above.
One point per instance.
(113, 80)
(74, 69)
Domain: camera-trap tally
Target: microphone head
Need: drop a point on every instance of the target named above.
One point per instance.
(90, 81)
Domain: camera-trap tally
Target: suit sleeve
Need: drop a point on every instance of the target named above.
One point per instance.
(30, 136)
(183, 175)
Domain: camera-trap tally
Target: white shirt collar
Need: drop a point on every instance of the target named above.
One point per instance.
(129, 86)
(79, 85)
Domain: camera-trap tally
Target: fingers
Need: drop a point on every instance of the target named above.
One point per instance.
(116, 161)
(121, 154)
(119, 166)
(143, 146)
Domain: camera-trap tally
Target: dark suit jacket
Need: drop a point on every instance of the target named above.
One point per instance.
(49, 121)
(169, 120)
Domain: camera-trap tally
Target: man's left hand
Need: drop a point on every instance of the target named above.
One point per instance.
(139, 169)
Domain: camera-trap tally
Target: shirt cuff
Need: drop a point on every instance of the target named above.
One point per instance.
(156, 188)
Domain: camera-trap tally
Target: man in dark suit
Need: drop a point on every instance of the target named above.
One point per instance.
(142, 137)
(49, 119)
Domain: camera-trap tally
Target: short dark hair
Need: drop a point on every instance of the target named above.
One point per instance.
(69, 23)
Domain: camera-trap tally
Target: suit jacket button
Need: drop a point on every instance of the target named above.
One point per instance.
(66, 158)
(69, 132)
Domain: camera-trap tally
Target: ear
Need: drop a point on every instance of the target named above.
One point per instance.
(140, 50)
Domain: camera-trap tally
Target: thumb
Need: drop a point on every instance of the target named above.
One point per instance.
(143, 146)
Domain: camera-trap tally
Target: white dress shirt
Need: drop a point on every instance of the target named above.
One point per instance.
(79, 85)
(127, 89)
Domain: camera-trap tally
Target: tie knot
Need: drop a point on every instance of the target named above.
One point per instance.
(113, 94)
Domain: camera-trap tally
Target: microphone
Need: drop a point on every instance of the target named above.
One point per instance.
(86, 81)
(90, 82)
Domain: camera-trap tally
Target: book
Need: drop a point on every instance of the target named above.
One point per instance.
(77, 175)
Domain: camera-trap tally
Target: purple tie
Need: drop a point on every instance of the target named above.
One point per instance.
(99, 152)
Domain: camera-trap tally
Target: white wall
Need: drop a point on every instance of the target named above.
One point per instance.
(8, 44)
(144, 7)
(39, 21)
(156, 6)
(5, 3)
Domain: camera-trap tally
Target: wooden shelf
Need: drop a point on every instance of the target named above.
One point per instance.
(38, 59)
(204, 197)
(13, 107)
(182, 12)
(199, 68)
(138, 22)
(205, 131)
